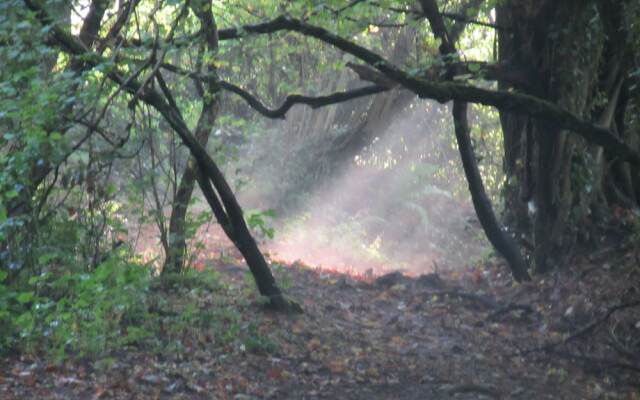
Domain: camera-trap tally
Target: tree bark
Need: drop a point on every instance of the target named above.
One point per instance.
(574, 52)
(177, 246)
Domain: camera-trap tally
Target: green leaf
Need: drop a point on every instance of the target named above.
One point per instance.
(111, 189)
(24, 297)
(3, 275)
(45, 258)
(24, 25)
(474, 67)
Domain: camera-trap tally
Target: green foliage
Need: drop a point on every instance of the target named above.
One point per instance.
(199, 304)
(82, 314)
(257, 220)
(119, 305)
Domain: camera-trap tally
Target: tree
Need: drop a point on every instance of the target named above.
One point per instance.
(579, 56)
(211, 180)
(177, 247)
(498, 237)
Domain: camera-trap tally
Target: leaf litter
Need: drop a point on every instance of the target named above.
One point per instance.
(469, 334)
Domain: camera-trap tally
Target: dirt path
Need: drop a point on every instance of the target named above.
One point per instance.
(456, 335)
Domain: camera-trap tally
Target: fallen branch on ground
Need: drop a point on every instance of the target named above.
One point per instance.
(602, 363)
(473, 388)
(550, 347)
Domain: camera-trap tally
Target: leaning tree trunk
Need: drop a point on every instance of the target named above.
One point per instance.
(212, 182)
(177, 247)
(568, 53)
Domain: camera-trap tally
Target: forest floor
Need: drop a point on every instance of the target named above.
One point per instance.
(469, 334)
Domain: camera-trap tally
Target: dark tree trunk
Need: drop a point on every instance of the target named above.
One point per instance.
(214, 186)
(176, 247)
(574, 54)
(500, 239)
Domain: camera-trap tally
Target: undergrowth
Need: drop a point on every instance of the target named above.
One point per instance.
(121, 306)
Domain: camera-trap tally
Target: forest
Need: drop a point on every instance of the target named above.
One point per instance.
(303, 199)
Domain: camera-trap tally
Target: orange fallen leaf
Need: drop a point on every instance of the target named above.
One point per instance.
(336, 366)
(313, 344)
(275, 373)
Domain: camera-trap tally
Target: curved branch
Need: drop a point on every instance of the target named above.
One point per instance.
(293, 99)
(500, 239)
(446, 91)
(266, 27)
(458, 17)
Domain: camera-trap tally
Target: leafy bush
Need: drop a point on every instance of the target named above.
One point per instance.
(84, 314)
(117, 306)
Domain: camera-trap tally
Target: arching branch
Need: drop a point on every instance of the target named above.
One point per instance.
(290, 100)
(500, 239)
(446, 91)
(293, 99)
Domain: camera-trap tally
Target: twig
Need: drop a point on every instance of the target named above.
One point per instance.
(550, 347)
(527, 309)
(605, 363)
(473, 388)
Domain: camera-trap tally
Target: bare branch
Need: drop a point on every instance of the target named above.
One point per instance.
(467, 20)
(590, 327)
(291, 100)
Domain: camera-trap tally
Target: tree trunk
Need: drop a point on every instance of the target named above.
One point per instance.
(573, 53)
(177, 245)
(214, 186)
(500, 239)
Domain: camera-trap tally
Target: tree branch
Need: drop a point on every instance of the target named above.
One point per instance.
(446, 91)
(590, 327)
(461, 18)
(291, 100)
(500, 239)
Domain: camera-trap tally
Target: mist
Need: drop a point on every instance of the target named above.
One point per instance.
(399, 204)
